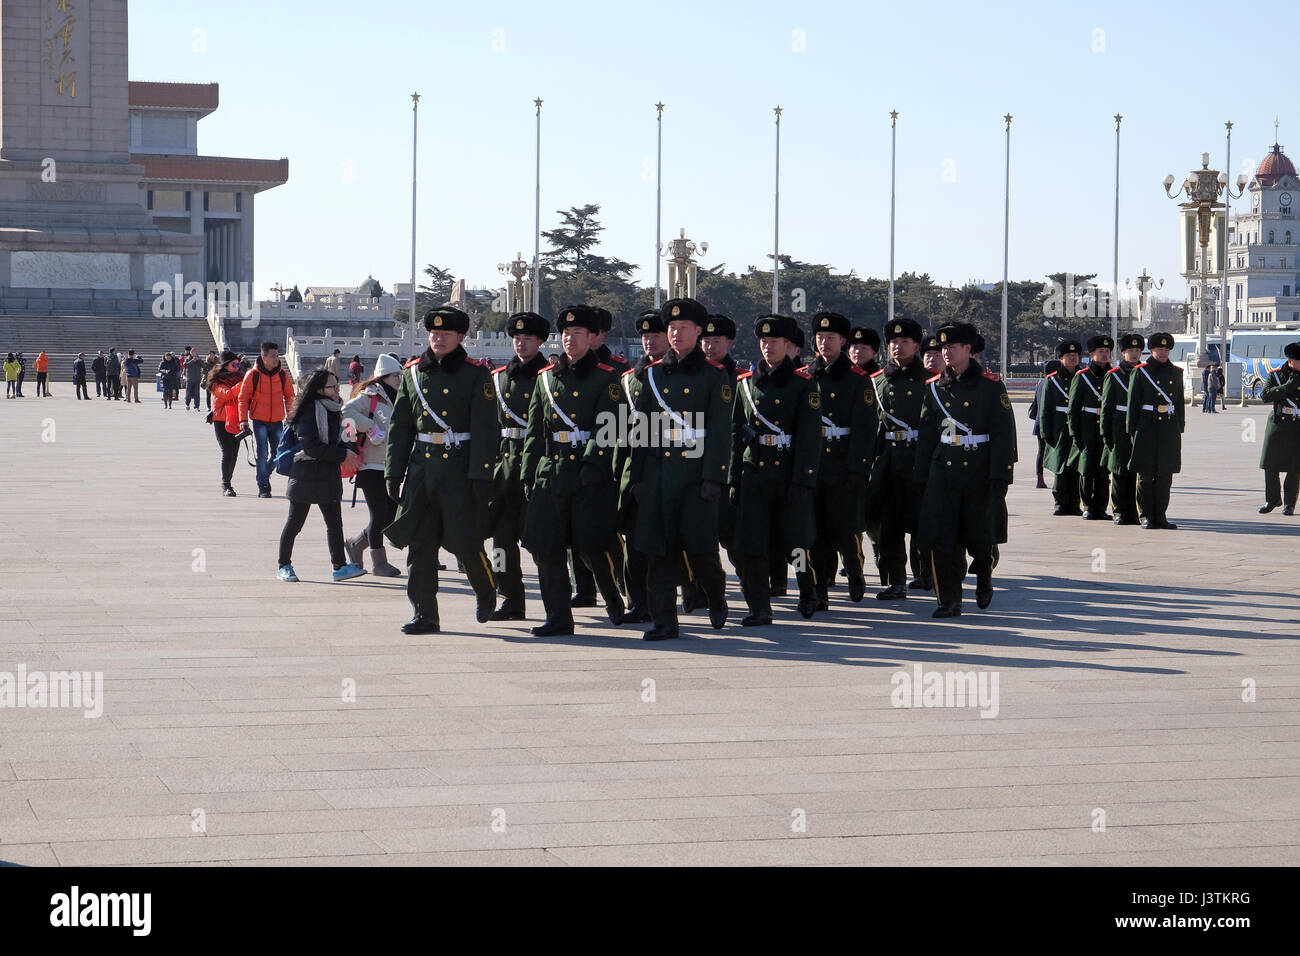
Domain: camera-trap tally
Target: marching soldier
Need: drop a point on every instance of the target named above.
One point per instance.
(922, 575)
(1084, 423)
(513, 384)
(966, 456)
(894, 499)
(442, 448)
(569, 468)
(778, 571)
(1282, 435)
(849, 425)
(654, 343)
(774, 461)
(1114, 429)
(1054, 429)
(1157, 414)
(864, 346)
(716, 343)
(678, 474)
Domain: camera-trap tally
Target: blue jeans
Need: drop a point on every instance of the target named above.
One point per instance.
(265, 434)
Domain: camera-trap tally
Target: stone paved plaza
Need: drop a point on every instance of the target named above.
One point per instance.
(226, 737)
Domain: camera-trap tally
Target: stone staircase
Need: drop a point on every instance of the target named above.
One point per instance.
(61, 337)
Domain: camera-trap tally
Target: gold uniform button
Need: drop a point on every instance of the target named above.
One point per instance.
(685, 391)
(948, 463)
(444, 411)
(571, 457)
(426, 454)
(446, 391)
(667, 453)
(575, 394)
(778, 401)
(444, 454)
(832, 394)
(965, 404)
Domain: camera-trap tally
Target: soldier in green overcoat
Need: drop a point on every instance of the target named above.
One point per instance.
(513, 383)
(1282, 435)
(967, 454)
(777, 424)
(679, 468)
(1054, 430)
(568, 464)
(442, 450)
(1084, 421)
(849, 426)
(1157, 414)
(1114, 429)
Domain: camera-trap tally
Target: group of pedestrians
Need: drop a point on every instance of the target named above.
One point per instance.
(1213, 385)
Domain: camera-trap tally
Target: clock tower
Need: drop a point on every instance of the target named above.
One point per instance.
(1263, 248)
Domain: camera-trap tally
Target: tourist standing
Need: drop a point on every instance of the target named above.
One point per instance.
(11, 376)
(370, 412)
(1282, 438)
(113, 369)
(79, 376)
(333, 364)
(22, 373)
(42, 375)
(317, 423)
(223, 382)
(100, 370)
(193, 378)
(131, 372)
(170, 367)
(265, 399)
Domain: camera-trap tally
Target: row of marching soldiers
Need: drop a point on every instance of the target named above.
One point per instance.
(636, 474)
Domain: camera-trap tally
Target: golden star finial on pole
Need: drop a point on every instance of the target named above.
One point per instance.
(777, 111)
(1008, 119)
(893, 117)
(538, 103)
(1117, 119)
(660, 108)
(415, 100)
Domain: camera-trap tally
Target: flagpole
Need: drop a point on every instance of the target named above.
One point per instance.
(1114, 296)
(776, 228)
(893, 153)
(1223, 297)
(659, 199)
(415, 125)
(537, 218)
(1006, 247)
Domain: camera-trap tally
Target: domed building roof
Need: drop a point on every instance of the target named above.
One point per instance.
(1274, 167)
(372, 288)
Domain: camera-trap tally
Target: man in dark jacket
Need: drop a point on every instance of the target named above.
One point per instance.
(193, 368)
(79, 376)
(100, 369)
(113, 367)
(1157, 415)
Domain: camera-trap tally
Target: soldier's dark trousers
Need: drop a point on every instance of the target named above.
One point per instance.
(949, 568)
(1095, 486)
(1065, 491)
(635, 570)
(661, 585)
(584, 585)
(422, 567)
(505, 544)
(898, 519)
(553, 582)
(1277, 493)
(754, 571)
(835, 539)
(921, 569)
(1123, 494)
(1153, 495)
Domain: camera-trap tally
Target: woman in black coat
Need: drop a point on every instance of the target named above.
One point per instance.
(315, 424)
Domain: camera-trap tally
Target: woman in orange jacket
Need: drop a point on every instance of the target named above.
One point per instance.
(223, 382)
(43, 375)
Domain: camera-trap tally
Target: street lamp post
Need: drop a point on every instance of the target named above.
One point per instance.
(1203, 187)
(681, 269)
(518, 270)
(1143, 284)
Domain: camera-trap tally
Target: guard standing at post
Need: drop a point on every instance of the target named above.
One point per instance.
(442, 448)
(1114, 429)
(513, 384)
(569, 466)
(1084, 422)
(1054, 429)
(654, 345)
(967, 450)
(1282, 435)
(894, 493)
(849, 425)
(1157, 414)
(680, 471)
(777, 421)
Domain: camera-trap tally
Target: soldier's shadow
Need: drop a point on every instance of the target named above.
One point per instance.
(1061, 623)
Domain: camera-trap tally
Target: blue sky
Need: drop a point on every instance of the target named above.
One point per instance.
(328, 85)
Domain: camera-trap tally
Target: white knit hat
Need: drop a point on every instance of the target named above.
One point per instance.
(387, 365)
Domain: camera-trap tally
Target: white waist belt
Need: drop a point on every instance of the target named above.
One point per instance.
(682, 434)
(1092, 411)
(1291, 411)
(1062, 408)
(774, 441)
(1157, 408)
(908, 435)
(573, 437)
(967, 441)
(512, 433)
(1121, 408)
(442, 438)
(834, 431)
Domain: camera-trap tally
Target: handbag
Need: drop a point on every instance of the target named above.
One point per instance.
(350, 471)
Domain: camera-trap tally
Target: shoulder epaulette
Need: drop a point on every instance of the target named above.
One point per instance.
(879, 371)
(617, 358)
(627, 371)
(713, 363)
(1141, 365)
(858, 370)
(653, 364)
(803, 373)
(1176, 368)
(604, 368)
(1113, 370)
(1051, 374)
(804, 368)
(935, 379)
(991, 376)
(473, 361)
(546, 368)
(414, 361)
(740, 375)
(501, 369)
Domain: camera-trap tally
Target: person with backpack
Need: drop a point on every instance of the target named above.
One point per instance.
(131, 372)
(265, 398)
(224, 382)
(370, 412)
(314, 477)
